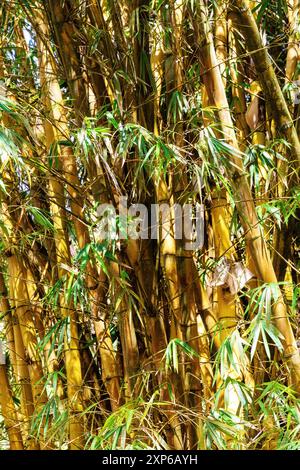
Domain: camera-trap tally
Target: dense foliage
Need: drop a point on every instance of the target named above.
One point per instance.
(140, 342)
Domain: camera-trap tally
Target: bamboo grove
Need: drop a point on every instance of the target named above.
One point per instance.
(141, 343)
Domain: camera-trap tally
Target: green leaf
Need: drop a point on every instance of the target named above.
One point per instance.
(40, 217)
